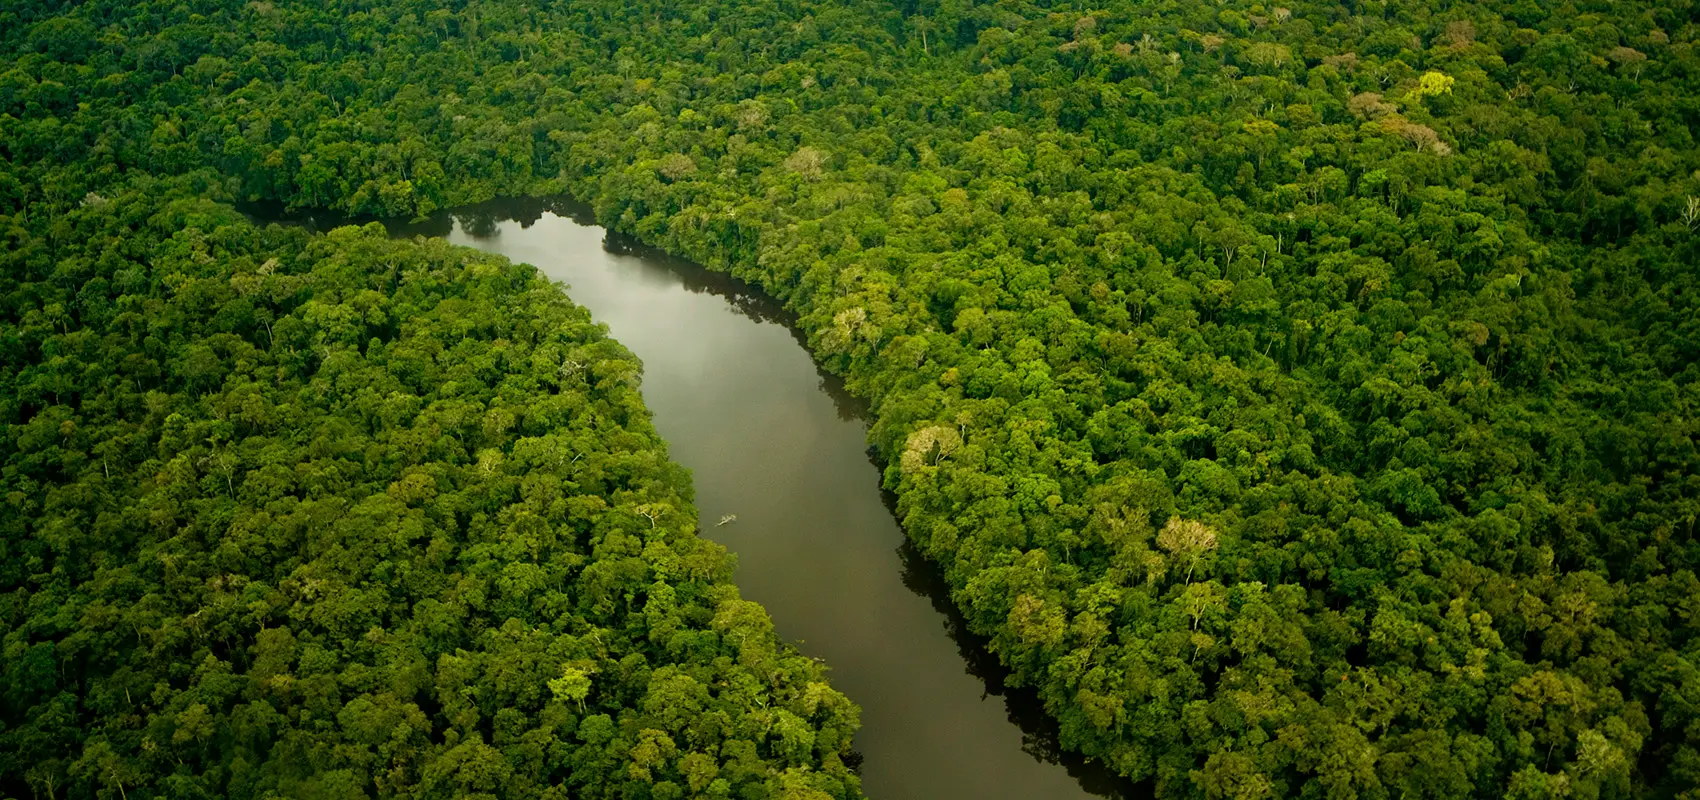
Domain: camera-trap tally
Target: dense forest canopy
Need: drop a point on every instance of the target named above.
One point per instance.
(338, 516)
(1302, 397)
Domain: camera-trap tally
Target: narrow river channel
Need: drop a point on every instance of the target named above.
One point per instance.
(771, 439)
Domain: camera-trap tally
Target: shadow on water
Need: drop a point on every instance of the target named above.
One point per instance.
(481, 220)
(1040, 733)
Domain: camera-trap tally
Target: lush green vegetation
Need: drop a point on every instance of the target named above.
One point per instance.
(1302, 398)
(337, 516)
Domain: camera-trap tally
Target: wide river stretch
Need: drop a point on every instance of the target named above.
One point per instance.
(771, 439)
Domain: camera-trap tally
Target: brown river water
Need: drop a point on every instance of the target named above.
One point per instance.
(772, 439)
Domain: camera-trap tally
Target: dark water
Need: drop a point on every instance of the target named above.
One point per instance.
(771, 439)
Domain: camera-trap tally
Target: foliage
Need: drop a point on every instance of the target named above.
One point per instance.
(1302, 398)
(329, 516)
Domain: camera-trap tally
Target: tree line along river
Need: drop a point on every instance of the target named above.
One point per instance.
(777, 449)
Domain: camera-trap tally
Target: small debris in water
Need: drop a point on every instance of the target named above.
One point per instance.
(727, 519)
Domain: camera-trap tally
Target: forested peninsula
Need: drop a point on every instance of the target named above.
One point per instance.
(1302, 398)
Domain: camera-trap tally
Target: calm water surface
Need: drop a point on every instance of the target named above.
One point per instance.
(771, 439)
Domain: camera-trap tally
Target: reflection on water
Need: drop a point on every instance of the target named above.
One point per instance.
(1040, 734)
(771, 438)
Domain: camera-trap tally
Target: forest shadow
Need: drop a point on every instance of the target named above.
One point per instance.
(1040, 733)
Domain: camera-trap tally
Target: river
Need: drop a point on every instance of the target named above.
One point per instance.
(771, 439)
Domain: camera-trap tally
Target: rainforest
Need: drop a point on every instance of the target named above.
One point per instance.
(1295, 400)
